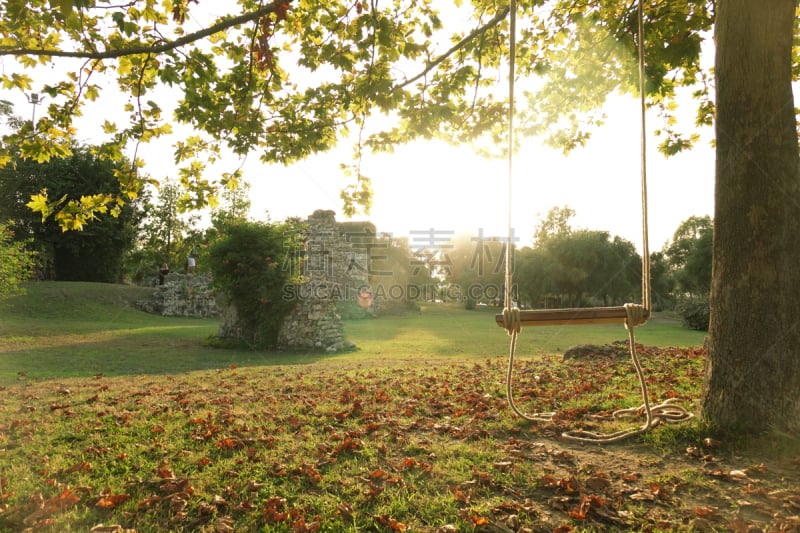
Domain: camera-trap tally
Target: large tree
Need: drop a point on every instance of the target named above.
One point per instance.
(287, 79)
(753, 369)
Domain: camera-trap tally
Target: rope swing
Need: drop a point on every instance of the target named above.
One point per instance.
(631, 315)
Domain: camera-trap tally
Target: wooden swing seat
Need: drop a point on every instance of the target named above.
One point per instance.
(570, 316)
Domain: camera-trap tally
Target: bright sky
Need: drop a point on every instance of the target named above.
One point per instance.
(433, 185)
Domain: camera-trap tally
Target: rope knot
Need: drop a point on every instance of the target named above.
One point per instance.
(511, 320)
(636, 315)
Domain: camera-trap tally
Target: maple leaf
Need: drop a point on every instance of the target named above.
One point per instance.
(479, 520)
(81, 466)
(111, 501)
(347, 445)
(149, 502)
(408, 462)
(704, 511)
(274, 510)
(378, 474)
(50, 506)
(391, 523)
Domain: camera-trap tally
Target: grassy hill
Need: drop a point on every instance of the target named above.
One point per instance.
(75, 301)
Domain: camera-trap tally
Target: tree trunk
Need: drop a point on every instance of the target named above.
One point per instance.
(752, 376)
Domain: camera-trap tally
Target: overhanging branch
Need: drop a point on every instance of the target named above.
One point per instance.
(455, 48)
(137, 50)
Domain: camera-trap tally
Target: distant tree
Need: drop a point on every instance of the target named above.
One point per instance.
(572, 268)
(589, 266)
(476, 266)
(95, 254)
(662, 281)
(234, 205)
(555, 223)
(622, 280)
(166, 235)
(396, 271)
(689, 255)
(531, 277)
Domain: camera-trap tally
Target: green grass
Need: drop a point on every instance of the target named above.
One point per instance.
(111, 416)
(79, 329)
(446, 330)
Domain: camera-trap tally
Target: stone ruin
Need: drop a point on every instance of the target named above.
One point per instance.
(187, 295)
(334, 269)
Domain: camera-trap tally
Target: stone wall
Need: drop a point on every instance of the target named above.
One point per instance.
(338, 252)
(188, 295)
(335, 267)
(314, 324)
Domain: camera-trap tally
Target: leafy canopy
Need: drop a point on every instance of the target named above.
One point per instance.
(290, 78)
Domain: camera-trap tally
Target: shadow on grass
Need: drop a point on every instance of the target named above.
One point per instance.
(169, 349)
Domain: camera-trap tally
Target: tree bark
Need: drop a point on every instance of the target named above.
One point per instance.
(752, 375)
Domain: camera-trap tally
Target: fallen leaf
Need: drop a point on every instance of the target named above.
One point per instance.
(82, 466)
(738, 475)
(597, 483)
(100, 528)
(112, 500)
(704, 511)
(345, 510)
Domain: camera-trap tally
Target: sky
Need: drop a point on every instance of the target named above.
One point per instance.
(436, 187)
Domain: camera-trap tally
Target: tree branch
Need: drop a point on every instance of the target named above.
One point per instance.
(154, 49)
(455, 48)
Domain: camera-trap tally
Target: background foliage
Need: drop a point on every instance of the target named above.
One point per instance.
(307, 74)
(17, 263)
(97, 252)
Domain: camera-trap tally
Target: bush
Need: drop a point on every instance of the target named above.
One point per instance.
(16, 263)
(695, 314)
(252, 265)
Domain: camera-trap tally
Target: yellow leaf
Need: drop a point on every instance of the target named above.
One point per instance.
(38, 204)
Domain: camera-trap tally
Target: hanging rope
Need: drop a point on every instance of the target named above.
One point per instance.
(512, 59)
(636, 315)
(646, 301)
(511, 320)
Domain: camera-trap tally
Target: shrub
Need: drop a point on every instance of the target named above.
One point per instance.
(16, 263)
(252, 264)
(695, 314)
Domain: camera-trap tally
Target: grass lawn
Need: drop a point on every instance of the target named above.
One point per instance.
(112, 417)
